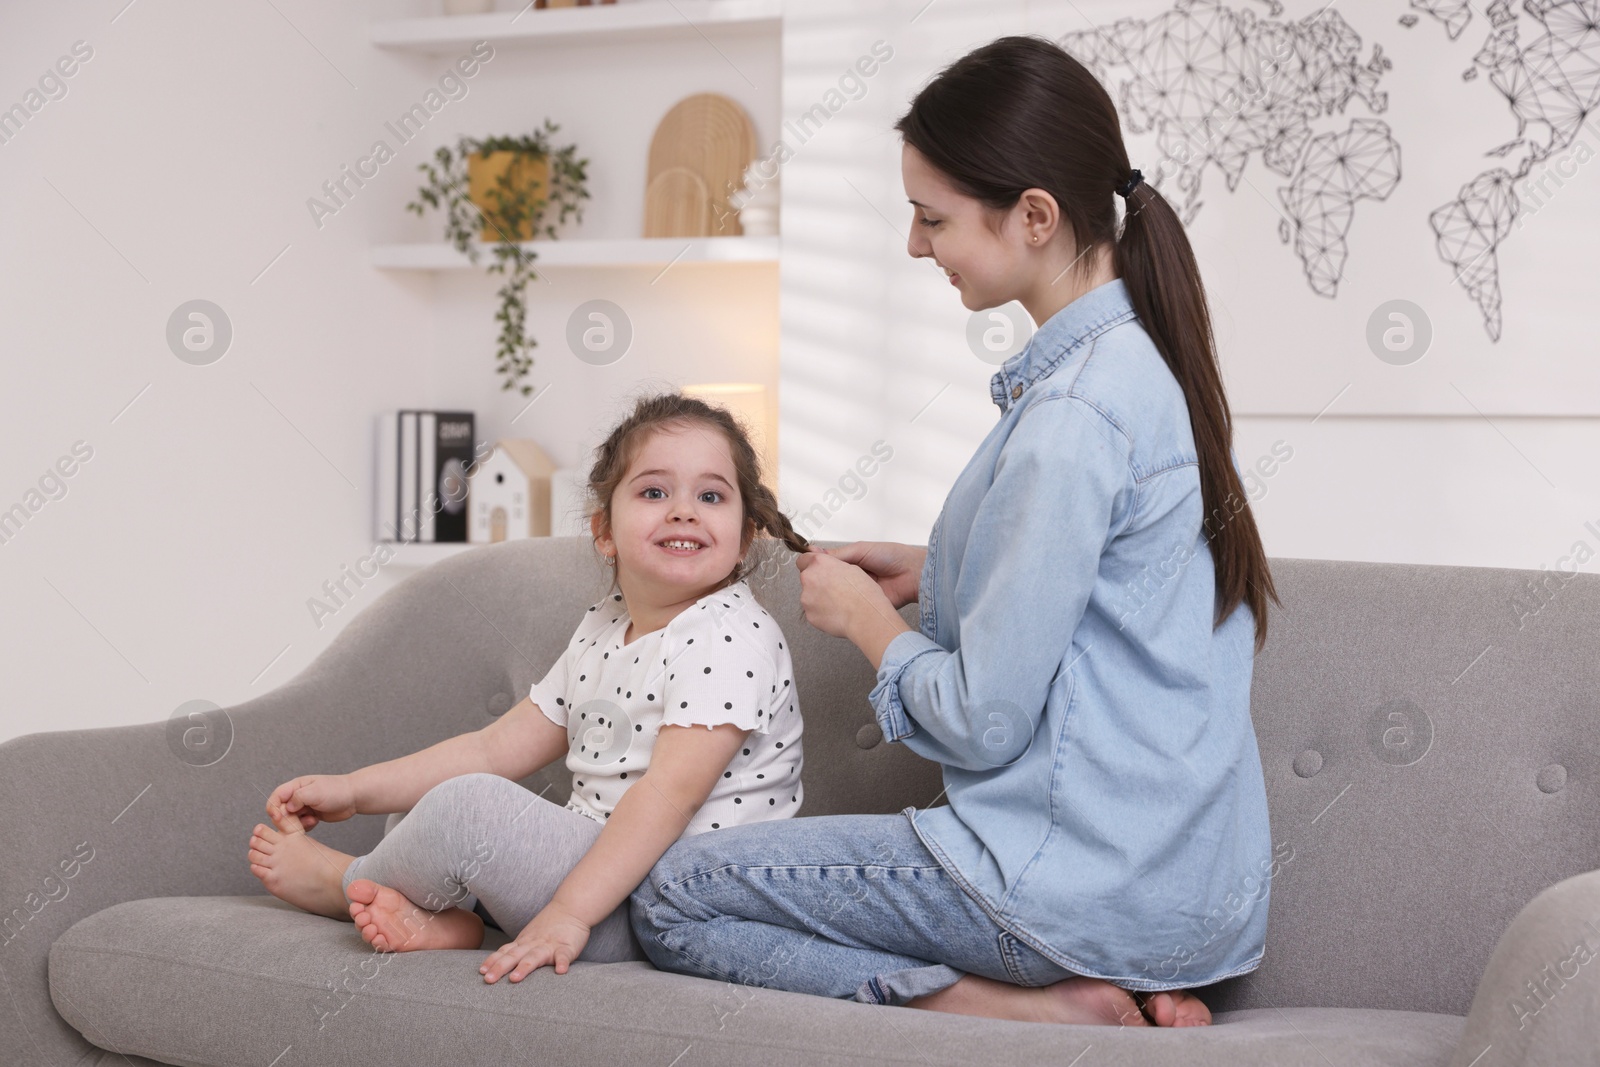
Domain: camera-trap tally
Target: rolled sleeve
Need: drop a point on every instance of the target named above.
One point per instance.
(899, 654)
(1062, 482)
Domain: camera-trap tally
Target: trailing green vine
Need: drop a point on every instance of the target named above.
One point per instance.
(513, 211)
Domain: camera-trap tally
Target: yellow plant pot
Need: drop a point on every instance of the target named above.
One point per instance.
(527, 174)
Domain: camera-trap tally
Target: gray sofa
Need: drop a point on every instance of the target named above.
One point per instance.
(1431, 768)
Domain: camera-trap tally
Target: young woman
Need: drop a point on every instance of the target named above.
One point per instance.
(1092, 596)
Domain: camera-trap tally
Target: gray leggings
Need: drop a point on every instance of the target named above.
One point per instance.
(484, 843)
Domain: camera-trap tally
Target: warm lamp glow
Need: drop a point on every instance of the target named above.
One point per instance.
(748, 403)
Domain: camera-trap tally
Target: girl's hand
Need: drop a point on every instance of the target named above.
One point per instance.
(313, 798)
(553, 936)
(835, 594)
(895, 567)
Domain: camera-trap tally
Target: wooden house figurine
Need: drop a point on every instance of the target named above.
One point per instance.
(509, 497)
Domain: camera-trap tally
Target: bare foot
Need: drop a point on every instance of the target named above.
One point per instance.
(295, 867)
(1091, 1001)
(390, 922)
(1176, 1007)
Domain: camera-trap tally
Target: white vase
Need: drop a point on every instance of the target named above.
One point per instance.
(759, 220)
(757, 201)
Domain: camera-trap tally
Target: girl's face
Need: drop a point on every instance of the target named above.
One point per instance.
(681, 489)
(955, 231)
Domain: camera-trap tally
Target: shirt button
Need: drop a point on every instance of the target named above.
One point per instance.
(1016, 391)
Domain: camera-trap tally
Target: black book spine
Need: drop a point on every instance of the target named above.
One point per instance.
(453, 454)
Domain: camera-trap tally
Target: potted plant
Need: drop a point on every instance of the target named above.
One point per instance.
(505, 190)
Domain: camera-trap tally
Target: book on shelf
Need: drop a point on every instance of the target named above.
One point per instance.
(422, 484)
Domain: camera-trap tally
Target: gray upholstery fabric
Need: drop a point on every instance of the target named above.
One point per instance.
(1410, 857)
(255, 975)
(1399, 889)
(1539, 1001)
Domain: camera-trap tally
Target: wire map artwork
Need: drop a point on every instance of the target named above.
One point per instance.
(1217, 84)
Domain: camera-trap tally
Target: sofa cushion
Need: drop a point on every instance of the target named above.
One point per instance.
(235, 980)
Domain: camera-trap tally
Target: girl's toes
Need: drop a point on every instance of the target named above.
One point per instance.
(364, 890)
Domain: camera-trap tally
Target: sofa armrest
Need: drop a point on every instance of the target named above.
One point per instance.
(92, 818)
(1538, 1001)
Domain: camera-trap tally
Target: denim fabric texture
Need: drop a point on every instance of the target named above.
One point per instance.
(1106, 799)
(847, 906)
(1107, 813)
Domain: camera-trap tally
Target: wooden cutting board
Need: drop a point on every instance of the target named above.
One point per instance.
(677, 204)
(710, 137)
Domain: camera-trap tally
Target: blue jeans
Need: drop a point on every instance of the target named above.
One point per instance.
(849, 906)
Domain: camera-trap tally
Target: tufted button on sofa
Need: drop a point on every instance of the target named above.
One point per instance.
(1431, 769)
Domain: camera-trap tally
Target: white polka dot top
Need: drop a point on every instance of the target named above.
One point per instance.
(722, 659)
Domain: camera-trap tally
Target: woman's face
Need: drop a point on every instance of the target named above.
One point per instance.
(680, 486)
(954, 231)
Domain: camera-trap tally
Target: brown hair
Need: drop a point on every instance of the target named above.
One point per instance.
(1020, 113)
(675, 411)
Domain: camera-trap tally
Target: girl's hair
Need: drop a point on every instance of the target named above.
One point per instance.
(1021, 113)
(673, 412)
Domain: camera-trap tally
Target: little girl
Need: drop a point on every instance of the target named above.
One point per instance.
(674, 705)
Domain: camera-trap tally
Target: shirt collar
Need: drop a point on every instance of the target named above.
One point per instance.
(1062, 334)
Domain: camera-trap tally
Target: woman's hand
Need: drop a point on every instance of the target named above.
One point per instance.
(895, 567)
(313, 798)
(553, 936)
(836, 596)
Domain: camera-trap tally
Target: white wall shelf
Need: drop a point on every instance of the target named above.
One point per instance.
(652, 20)
(685, 28)
(635, 252)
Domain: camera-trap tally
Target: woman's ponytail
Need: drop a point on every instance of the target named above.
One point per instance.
(1021, 113)
(1156, 263)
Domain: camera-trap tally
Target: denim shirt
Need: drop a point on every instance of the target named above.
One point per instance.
(1106, 801)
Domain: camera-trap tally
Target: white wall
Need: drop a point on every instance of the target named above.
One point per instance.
(1478, 454)
(218, 499)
